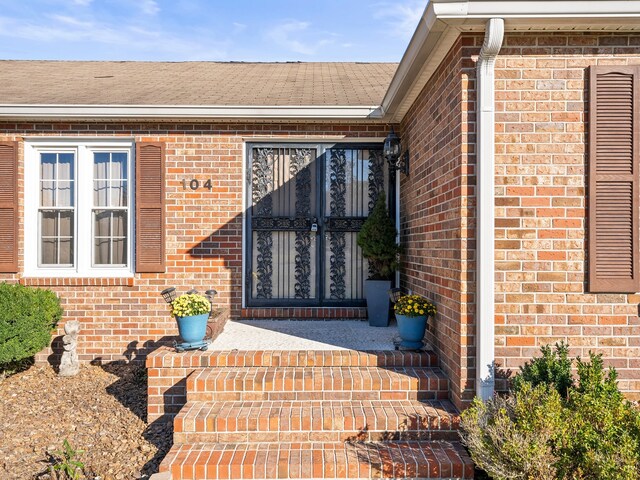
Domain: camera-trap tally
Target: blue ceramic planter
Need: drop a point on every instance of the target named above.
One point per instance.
(411, 330)
(193, 329)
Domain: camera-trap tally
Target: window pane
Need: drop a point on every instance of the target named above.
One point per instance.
(118, 166)
(119, 251)
(100, 193)
(65, 194)
(65, 166)
(48, 251)
(119, 224)
(118, 194)
(65, 224)
(110, 237)
(48, 223)
(102, 223)
(66, 251)
(100, 165)
(101, 251)
(47, 166)
(56, 237)
(47, 194)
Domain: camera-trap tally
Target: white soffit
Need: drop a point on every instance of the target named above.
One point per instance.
(444, 20)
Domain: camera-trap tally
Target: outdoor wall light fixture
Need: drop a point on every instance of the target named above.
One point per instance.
(169, 294)
(392, 151)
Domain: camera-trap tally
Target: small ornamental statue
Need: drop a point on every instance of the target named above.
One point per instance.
(69, 365)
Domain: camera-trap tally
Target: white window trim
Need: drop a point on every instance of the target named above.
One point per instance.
(83, 226)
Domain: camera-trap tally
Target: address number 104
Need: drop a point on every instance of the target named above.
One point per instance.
(194, 184)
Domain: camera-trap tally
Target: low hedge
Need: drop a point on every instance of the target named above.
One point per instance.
(27, 318)
(552, 426)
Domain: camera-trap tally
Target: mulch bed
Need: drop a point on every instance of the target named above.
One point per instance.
(101, 411)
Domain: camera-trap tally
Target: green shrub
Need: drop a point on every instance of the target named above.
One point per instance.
(377, 239)
(27, 318)
(603, 429)
(512, 437)
(581, 431)
(553, 369)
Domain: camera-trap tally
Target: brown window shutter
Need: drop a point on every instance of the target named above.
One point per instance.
(614, 180)
(150, 206)
(9, 207)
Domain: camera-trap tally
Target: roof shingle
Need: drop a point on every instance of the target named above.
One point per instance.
(193, 83)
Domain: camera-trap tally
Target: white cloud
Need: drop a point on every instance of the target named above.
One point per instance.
(291, 35)
(239, 27)
(71, 21)
(149, 7)
(82, 3)
(401, 17)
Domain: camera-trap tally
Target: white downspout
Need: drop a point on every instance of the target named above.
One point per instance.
(485, 195)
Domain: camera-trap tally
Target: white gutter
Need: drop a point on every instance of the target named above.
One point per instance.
(189, 111)
(485, 194)
(536, 9)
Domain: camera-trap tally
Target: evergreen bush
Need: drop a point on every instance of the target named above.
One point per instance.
(602, 429)
(511, 437)
(582, 431)
(27, 318)
(377, 239)
(553, 369)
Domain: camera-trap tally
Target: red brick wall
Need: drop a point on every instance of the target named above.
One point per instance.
(437, 214)
(126, 317)
(541, 290)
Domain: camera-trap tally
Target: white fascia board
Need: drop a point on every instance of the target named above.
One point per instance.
(189, 112)
(536, 9)
(413, 57)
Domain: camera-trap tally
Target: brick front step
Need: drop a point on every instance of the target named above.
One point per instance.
(166, 357)
(417, 460)
(315, 421)
(316, 383)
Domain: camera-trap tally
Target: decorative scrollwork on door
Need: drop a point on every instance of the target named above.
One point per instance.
(262, 181)
(300, 169)
(376, 176)
(264, 267)
(337, 208)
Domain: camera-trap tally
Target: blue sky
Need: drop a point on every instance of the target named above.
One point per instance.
(223, 30)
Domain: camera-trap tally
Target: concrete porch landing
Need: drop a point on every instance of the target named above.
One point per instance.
(253, 335)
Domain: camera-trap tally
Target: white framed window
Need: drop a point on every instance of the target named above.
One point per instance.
(79, 208)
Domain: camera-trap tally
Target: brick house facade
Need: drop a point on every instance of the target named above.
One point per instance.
(541, 290)
(124, 317)
(542, 294)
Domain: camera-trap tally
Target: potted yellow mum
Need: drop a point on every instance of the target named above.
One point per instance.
(412, 312)
(192, 312)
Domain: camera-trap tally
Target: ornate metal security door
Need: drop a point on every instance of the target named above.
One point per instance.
(307, 203)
